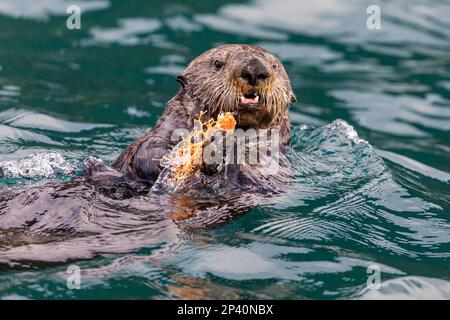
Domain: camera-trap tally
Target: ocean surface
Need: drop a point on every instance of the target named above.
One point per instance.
(370, 152)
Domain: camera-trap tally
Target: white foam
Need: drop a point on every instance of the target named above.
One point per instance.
(39, 165)
(347, 130)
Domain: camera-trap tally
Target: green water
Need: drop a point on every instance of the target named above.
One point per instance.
(373, 189)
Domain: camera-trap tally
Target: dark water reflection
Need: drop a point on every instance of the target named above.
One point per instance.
(375, 194)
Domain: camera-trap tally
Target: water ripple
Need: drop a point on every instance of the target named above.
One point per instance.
(410, 288)
(42, 10)
(129, 32)
(33, 120)
(348, 193)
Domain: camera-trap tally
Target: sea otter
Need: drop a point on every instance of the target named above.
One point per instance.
(243, 79)
(113, 208)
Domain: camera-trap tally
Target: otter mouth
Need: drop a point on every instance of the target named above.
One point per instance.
(249, 100)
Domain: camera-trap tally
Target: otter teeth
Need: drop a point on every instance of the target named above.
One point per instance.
(251, 100)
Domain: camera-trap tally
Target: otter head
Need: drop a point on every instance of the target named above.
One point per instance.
(245, 80)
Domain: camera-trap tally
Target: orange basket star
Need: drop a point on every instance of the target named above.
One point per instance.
(186, 157)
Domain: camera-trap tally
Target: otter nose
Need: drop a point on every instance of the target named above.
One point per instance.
(254, 71)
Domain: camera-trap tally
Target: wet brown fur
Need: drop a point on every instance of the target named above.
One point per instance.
(208, 88)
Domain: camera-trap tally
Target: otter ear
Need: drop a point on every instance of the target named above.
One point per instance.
(293, 97)
(182, 80)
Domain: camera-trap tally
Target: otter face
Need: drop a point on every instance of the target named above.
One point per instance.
(245, 80)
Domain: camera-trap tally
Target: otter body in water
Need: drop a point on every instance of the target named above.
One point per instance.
(110, 208)
(245, 80)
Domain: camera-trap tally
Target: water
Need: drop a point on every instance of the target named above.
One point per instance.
(370, 188)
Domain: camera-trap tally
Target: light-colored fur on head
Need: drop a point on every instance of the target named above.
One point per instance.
(213, 81)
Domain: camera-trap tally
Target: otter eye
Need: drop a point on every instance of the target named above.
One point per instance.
(218, 64)
(274, 67)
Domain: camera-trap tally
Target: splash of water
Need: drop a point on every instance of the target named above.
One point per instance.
(37, 166)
